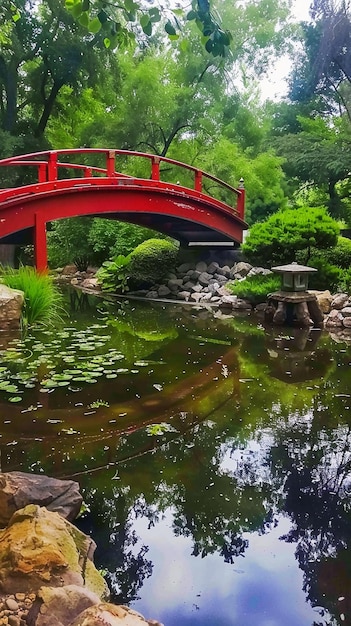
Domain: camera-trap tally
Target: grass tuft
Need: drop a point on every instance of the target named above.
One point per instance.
(42, 300)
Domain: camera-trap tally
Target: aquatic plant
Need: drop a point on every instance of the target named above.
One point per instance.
(42, 299)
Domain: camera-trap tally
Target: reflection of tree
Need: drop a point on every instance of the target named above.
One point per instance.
(117, 550)
(317, 464)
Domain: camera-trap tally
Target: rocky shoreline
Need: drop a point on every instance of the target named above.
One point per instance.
(47, 573)
(205, 284)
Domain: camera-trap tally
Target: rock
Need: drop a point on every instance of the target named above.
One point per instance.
(11, 604)
(241, 268)
(228, 302)
(174, 284)
(339, 301)
(105, 614)
(206, 297)
(242, 305)
(188, 286)
(334, 319)
(152, 295)
(213, 267)
(60, 605)
(223, 291)
(196, 288)
(324, 299)
(163, 291)
(11, 302)
(90, 283)
(346, 311)
(347, 322)
(193, 275)
(221, 279)
(257, 271)
(213, 287)
(196, 296)
(204, 279)
(18, 489)
(224, 271)
(40, 548)
(184, 295)
(184, 268)
(201, 267)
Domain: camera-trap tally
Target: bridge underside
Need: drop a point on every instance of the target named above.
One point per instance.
(187, 233)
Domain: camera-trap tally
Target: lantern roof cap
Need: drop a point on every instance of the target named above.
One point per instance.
(294, 268)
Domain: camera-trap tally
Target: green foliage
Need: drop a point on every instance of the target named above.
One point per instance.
(109, 238)
(327, 277)
(113, 275)
(91, 241)
(345, 281)
(340, 254)
(255, 289)
(42, 300)
(283, 234)
(68, 242)
(115, 23)
(332, 264)
(263, 176)
(152, 260)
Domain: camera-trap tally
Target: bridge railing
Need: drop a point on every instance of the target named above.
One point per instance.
(53, 165)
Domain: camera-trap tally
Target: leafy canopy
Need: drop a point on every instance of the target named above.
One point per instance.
(117, 22)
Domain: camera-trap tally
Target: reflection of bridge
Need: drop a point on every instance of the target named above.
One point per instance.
(196, 208)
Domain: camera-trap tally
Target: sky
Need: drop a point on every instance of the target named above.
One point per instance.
(274, 85)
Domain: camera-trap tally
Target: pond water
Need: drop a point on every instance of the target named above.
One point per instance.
(214, 456)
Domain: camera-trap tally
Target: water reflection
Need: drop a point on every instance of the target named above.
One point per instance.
(219, 494)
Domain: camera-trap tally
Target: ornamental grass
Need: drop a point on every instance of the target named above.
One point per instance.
(43, 302)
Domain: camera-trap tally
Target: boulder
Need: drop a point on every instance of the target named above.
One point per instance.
(18, 489)
(324, 299)
(201, 267)
(11, 302)
(241, 268)
(163, 291)
(58, 606)
(204, 279)
(105, 614)
(40, 548)
(339, 301)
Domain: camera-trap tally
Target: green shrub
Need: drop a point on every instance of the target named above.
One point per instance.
(277, 240)
(42, 299)
(255, 289)
(340, 254)
(345, 281)
(327, 277)
(152, 260)
(113, 275)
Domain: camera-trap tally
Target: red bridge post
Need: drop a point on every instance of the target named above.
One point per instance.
(40, 244)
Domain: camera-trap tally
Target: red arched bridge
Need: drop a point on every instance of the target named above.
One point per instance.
(196, 208)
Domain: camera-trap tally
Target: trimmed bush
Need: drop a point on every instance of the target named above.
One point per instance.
(278, 240)
(152, 260)
(255, 289)
(42, 299)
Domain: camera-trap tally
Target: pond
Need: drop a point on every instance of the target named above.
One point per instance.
(214, 456)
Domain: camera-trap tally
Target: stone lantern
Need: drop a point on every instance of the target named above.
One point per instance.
(294, 304)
